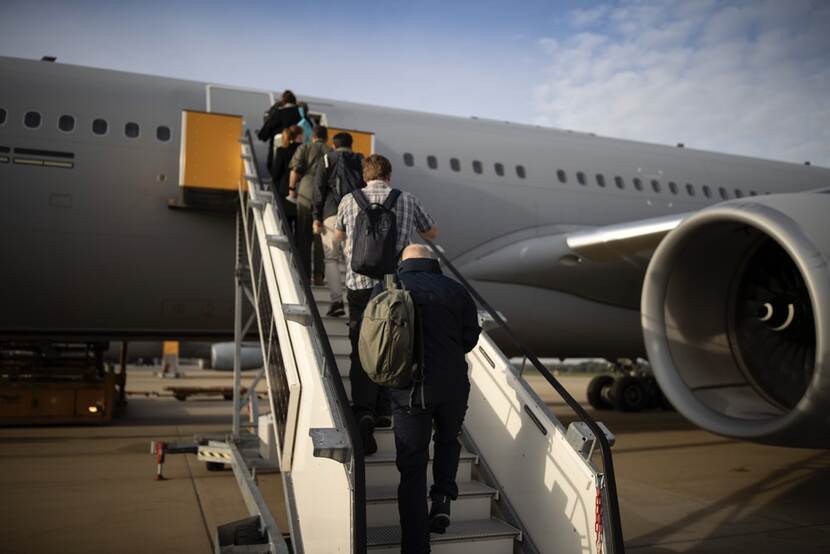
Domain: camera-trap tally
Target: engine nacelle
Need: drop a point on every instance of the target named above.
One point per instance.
(736, 319)
(221, 356)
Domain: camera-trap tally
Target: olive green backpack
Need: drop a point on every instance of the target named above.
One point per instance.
(386, 344)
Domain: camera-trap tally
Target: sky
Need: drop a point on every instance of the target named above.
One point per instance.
(745, 77)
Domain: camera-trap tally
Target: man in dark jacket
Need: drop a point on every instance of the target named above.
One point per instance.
(281, 115)
(339, 174)
(449, 321)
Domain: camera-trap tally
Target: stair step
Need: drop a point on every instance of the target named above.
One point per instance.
(491, 536)
(473, 503)
(381, 469)
(340, 345)
(336, 327)
(324, 305)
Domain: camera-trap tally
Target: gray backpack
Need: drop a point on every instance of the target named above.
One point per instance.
(386, 345)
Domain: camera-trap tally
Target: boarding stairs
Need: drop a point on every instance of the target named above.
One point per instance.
(527, 483)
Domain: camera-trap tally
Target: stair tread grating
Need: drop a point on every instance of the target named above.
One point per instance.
(456, 532)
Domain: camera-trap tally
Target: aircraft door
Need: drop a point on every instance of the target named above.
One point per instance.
(250, 104)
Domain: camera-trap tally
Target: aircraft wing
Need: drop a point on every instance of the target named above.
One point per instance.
(623, 240)
(605, 264)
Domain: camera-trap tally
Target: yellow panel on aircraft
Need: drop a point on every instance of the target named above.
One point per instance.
(362, 141)
(171, 348)
(210, 155)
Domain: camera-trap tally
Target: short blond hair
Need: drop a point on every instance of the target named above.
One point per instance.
(377, 167)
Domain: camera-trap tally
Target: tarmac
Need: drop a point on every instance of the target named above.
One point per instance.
(78, 489)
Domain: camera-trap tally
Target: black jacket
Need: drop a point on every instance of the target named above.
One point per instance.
(280, 170)
(278, 119)
(275, 121)
(326, 201)
(449, 319)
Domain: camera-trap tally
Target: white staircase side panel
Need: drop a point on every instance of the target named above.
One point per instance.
(549, 485)
(316, 527)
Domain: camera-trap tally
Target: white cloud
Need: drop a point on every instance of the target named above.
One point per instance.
(743, 77)
(585, 18)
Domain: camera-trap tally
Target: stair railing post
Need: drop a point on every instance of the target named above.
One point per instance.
(237, 329)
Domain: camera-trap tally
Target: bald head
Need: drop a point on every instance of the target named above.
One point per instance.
(417, 251)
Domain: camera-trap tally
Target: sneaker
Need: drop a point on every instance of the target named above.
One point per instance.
(439, 514)
(366, 426)
(383, 421)
(336, 310)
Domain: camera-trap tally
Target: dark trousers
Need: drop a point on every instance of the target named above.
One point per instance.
(413, 426)
(308, 241)
(365, 393)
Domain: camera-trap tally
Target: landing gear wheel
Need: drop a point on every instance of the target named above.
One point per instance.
(628, 394)
(596, 388)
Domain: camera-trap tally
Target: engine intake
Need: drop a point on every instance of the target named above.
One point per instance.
(736, 319)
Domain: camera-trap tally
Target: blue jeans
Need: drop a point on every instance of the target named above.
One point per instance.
(413, 427)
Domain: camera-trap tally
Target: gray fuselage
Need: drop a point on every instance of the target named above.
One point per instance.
(93, 251)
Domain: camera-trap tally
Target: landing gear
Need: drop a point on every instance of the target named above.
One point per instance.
(628, 394)
(630, 388)
(598, 392)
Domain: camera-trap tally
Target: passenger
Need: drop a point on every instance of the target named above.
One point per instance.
(450, 329)
(410, 217)
(301, 187)
(290, 140)
(340, 173)
(281, 115)
(305, 122)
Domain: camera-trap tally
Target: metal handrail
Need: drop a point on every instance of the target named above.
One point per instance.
(604, 446)
(358, 458)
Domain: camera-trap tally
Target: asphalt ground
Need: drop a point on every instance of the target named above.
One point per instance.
(92, 489)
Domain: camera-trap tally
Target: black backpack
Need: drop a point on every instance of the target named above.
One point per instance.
(374, 243)
(346, 175)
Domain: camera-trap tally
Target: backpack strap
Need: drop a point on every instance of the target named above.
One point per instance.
(390, 281)
(391, 199)
(360, 198)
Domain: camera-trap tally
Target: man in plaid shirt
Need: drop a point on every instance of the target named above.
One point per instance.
(411, 217)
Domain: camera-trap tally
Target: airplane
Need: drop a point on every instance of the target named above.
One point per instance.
(712, 266)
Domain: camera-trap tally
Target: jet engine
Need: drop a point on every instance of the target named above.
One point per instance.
(736, 318)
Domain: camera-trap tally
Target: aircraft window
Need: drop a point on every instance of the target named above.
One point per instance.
(499, 169)
(707, 192)
(2, 116)
(601, 180)
(408, 159)
(723, 193)
(562, 176)
(520, 171)
(753, 193)
(163, 133)
(655, 184)
(620, 182)
(739, 193)
(100, 126)
(432, 162)
(690, 190)
(32, 120)
(131, 130)
(477, 166)
(66, 123)
(580, 177)
(455, 164)
(673, 187)
(638, 184)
